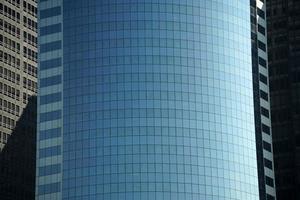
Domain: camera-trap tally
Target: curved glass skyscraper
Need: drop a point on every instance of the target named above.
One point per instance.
(146, 100)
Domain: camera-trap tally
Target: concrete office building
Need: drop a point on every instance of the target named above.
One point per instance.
(18, 86)
(153, 100)
(284, 68)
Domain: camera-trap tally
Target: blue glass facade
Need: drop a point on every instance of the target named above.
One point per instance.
(157, 101)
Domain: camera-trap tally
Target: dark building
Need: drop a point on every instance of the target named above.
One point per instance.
(284, 69)
(18, 87)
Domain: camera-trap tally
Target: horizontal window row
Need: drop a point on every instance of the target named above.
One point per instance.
(178, 63)
(9, 107)
(53, 80)
(175, 26)
(30, 54)
(29, 84)
(14, 2)
(158, 7)
(29, 8)
(46, 30)
(10, 44)
(49, 170)
(49, 133)
(154, 84)
(49, 188)
(9, 59)
(9, 28)
(9, 91)
(50, 116)
(7, 122)
(156, 190)
(51, 46)
(50, 151)
(10, 13)
(29, 23)
(50, 12)
(50, 98)
(30, 69)
(118, 150)
(9, 75)
(135, 113)
(49, 64)
(15, 46)
(30, 39)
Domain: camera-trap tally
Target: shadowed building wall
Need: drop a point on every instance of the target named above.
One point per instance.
(284, 67)
(17, 158)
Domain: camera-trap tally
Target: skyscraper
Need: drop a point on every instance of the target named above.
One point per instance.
(150, 100)
(18, 87)
(263, 131)
(284, 56)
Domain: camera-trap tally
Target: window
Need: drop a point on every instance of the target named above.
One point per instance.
(50, 133)
(267, 146)
(262, 45)
(48, 64)
(48, 170)
(53, 80)
(56, 28)
(261, 29)
(51, 46)
(50, 12)
(262, 62)
(263, 78)
(268, 163)
(50, 98)
(264, 112)
(49, 151)
(269, 181)
(49, 188)
(264, 95)
(261, 13)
